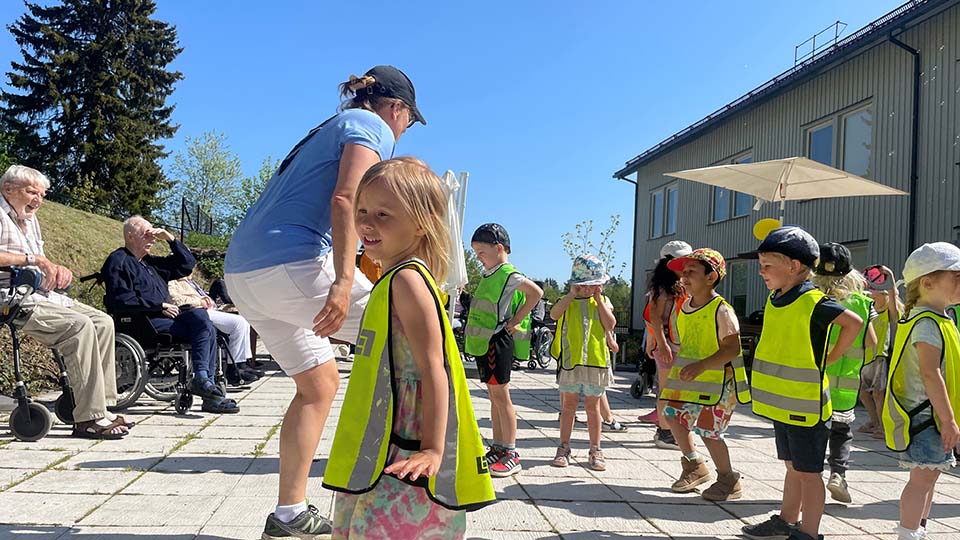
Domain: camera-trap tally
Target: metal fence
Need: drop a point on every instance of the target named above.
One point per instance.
(194, 219)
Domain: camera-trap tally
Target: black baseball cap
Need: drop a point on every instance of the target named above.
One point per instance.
(835, 260)
(793, 242)
(393, 83)
(492, 233)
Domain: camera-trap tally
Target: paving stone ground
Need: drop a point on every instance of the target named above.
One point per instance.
(213, 477)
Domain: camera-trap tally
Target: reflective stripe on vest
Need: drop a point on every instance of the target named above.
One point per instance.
(844, 374)
(488, 310)
(898, 425)
(568, 343)
(788, 384)
(698, 335)
(360, 446)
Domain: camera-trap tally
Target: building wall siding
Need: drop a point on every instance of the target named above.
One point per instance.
(881, 76)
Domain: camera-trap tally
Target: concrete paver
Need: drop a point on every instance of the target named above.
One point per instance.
(199, 476)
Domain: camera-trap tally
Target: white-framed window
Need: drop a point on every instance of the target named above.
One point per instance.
(663, 210)
(729, 204)
(844, 140)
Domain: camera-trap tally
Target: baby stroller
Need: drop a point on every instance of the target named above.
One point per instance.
(541, 338)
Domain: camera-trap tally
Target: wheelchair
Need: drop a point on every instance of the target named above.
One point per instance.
(31, 421)
(163, 359)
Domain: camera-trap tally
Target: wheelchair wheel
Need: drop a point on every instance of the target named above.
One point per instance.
(64, 407)
(131, 371)
(163, 375)
(183, 403)
(30, 423)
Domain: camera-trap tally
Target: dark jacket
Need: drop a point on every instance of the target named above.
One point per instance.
(141, 286)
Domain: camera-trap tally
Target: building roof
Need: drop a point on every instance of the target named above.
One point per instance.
(870, 35)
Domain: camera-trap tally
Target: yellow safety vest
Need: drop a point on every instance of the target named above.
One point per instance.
(699, 340)
(844, 374)
(580, 339)
(788, 383)
(881, 325)
(898, 425)
(487, 312)
(365, 429)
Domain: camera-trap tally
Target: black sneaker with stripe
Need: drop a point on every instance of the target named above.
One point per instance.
(309, 525)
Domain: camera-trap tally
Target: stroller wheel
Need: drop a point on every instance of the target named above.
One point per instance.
(64, 407)
(532, 364)
(638, 388)
(30, 423)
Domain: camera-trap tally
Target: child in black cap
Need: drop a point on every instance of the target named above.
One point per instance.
(837, 278)
(788, 384)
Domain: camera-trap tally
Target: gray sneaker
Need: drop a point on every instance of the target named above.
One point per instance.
(309, 525)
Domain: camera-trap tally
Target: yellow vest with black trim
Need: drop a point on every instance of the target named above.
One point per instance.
(898, 422)
(485, 315)
(365, 429)
(788, 384)
(699, 335)
(577, 345)
(844, 374)
(881, 325)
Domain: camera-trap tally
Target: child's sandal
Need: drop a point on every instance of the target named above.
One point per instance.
(562, 458)
(596, 461)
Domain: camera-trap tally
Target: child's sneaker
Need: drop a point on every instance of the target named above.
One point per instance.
(664, 439)
(493, 455)
(726, 488)
(694, 473)
(508, 465)
(562, 459)
(614, 426)
(907, 534)
(773, 528)
(596, 461)
(837, 486)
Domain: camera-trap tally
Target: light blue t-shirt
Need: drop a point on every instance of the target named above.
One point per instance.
(291, 220)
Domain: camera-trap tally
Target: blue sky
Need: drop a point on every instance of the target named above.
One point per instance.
(539, 101)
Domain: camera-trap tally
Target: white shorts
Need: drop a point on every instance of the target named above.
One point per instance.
(281, 301)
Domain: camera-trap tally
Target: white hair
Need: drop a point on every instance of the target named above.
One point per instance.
(133, 223)
(22, 175)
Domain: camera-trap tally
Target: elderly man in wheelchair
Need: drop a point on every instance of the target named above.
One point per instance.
(84, 336)
(136, 285)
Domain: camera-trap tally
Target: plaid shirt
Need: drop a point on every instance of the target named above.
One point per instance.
(15, 240)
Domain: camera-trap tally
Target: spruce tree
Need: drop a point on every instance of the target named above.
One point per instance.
(87, 103)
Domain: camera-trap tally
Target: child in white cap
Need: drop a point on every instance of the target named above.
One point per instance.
(923, 393)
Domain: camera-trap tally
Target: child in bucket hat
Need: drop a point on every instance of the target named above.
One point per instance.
(584, 318)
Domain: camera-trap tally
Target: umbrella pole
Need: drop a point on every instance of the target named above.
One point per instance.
(461, 204)
(783, 205)
(782, 189)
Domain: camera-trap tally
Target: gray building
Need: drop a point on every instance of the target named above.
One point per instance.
(883, 103)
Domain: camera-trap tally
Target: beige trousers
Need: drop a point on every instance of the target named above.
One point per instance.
(85, 338)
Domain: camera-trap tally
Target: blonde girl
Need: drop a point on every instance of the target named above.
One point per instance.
(923, 399)
(405, 458)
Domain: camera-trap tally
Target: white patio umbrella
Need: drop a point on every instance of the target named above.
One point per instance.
(456, 204)
(782, 180)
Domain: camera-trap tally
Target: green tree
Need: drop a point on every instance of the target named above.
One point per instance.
(580, 241)
(87, 102)
(248, 192)
(7, 157)
(551, 290)
(474, 270)
(207, 173)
